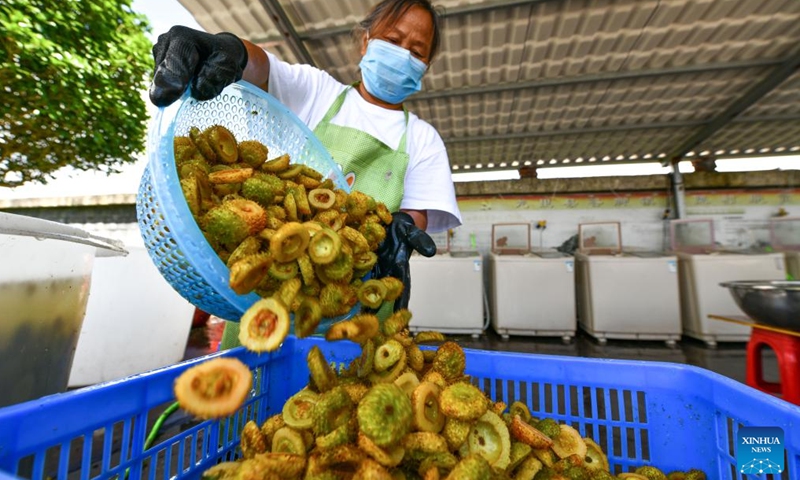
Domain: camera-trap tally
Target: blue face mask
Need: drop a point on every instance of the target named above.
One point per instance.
(390, 73)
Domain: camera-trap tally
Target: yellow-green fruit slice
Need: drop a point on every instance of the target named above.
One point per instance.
(253, 441)
(528, 469)
(450, 360)
(297, 410)
(527, 434)
(247, 272)
(389, 457)
(384, 414)
(289, 242)
(407, 382)
(332, 410)
(519, 452)
(387, 355)
(372, 293)
(595, 458)
(322, 375)
(425, 404)
(214, 389)
(253, 153)
(473, 467)
(288, 440)
(456, 432)
(321, 198)
(519, 408)
(651, 472)
(489, 438)
(307, 317)
(223, 143)
(463, 401)
(222, 471)
(264, 325)
(278, 164)
(569, 442)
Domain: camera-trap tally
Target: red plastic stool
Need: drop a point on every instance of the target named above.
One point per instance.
(787, 351)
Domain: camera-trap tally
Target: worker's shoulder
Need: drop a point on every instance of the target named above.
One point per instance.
(423, 132)
(302, 71)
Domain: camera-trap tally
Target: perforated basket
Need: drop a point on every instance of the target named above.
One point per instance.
(171, 235)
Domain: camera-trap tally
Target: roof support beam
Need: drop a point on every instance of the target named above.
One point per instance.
(613, 129)
(576, 131)
(775, 78)
(767, 118)
(600, 77)
(451, 12)
(515, 163)
(292, 38)
(489, 6)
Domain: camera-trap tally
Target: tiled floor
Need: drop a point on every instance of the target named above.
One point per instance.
(727, 359)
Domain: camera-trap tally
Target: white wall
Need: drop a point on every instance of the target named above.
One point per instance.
(741, 219)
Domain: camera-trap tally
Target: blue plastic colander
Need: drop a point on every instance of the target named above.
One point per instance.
(172, 238)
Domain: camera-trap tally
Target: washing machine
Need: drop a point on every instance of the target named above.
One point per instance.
(785, 236)
(533, 294)
(701, 295)
(447, 293)
(628, 296)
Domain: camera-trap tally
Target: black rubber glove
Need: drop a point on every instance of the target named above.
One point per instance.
(209, 62)
(402, 237)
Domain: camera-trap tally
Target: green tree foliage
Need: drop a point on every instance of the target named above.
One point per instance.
(72, 73)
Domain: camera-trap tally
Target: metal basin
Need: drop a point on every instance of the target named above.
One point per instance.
(775, 303)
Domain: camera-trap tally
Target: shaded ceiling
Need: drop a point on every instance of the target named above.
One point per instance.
(556, 82)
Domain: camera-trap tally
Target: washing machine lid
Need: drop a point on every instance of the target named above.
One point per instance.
(722, 255)
(649, 254)
(464, 253)
(550, 254)
(626, 256)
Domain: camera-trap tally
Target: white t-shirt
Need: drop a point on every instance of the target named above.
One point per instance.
(309, 93)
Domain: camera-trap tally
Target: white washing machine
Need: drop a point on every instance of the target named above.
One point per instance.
(447, 293)
(785, 237)
(533, 294)
(628, 296)
(701, 294)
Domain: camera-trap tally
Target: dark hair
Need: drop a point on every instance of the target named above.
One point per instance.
(391, 10)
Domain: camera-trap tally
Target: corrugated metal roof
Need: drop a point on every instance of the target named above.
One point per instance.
(550, 82)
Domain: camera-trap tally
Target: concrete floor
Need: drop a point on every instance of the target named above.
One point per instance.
(727, 359)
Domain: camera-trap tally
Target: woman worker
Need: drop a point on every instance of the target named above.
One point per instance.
(384, 150)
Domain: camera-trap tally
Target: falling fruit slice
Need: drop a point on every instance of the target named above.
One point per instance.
(214, 389)
(264, 325)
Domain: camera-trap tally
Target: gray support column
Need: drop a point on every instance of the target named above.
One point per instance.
(678, 192)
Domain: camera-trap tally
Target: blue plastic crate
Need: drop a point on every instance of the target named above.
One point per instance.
(669, 415)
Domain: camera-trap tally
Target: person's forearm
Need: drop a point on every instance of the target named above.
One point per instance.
(257, 69)
(420, 218)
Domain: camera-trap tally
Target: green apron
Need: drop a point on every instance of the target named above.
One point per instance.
(370, 166)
